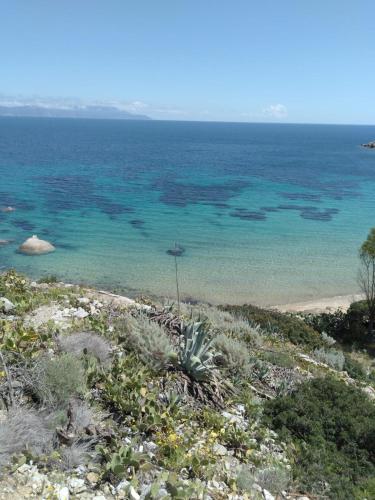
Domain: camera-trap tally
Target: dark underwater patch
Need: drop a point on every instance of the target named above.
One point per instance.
(180, 195)
(269, 209)
(137, 223)
(302, 196)
(176, 251)
(73, 192)
(312, 213)
(23, 224)
(243, 213)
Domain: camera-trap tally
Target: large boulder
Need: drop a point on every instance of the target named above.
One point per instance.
(35, 246)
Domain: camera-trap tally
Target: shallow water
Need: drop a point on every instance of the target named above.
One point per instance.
(265, 213)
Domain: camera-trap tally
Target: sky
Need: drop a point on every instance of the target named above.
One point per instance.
(308, 61)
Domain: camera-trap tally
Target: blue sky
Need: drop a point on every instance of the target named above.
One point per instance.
(239, 60)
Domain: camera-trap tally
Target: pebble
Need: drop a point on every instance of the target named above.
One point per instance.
(76, 485)
(219, 449)
(133, 495)
(63, 493)
(92, 478)
(267, 495)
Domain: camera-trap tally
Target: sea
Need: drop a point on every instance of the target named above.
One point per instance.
(257, 213)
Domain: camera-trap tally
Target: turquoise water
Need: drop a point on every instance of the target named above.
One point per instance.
(265, 213)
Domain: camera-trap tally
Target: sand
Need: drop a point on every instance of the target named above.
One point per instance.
(329, 304)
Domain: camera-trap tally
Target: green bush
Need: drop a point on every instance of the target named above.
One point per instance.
(149, 340)
(290, 327)
(332, 426)
(331, 357)
(233, 355)
(53, 381)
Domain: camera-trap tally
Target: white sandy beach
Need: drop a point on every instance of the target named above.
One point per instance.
(328, 304)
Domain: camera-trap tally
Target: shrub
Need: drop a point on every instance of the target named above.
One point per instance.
(78, 453)
(55, 380)
(23, 430)
(274, 478)
(279, 359)
(233, 355)
(148, 340)
(332, 426)
(85, 343)
(331, 357)
(328, 340)
(290, 327)
(354, 369)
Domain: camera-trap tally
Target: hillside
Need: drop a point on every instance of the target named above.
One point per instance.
(104, 397)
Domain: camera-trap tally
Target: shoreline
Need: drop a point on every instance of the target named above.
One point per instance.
(328, 304)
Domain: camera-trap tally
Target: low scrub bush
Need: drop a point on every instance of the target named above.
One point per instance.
(274, 479)
(86, 343)
(149, 340)
(282, 359)
(233, 355)
(331, 357)
(24, 430)
(54, 381)
(332, 426)
(289, 327)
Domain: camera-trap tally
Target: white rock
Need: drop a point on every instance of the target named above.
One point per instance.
(76, 485)
(6, 305)
(80, 313)
(123, 485)
(133, 494)
(35, 246)
(267, 495)
(63, 493)
(219, 449)
(84, 300)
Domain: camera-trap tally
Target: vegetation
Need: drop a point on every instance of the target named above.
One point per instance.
(333, 428)
(182, 401)
(287, 326)
(366, 277)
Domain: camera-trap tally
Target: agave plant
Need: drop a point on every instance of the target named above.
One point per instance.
(196, 358)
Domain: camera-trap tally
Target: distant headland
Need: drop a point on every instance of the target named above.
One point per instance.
(370, 145)
(89, 112)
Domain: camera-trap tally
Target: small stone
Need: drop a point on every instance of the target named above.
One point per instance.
(92, 478)
(6, 305)
(84, 300)
(80, 313)
(76, 485)
(63, 493)
(219, 449)
(267, 495)
(133, 495)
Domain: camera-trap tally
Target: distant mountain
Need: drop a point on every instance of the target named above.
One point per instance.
(93, 112)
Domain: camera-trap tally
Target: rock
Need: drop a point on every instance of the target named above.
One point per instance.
(370, 145)
(6, 305)
(80, 313)
(5, 242)
(133, 495)
(63, 493)
(35, 246)
(92, 478)
(8, 209)
(76, 485)
(219, 449)
(267, 495)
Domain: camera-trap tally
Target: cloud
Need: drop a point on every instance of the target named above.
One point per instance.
(277, 111)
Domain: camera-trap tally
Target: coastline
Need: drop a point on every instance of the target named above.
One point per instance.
(328, 304)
